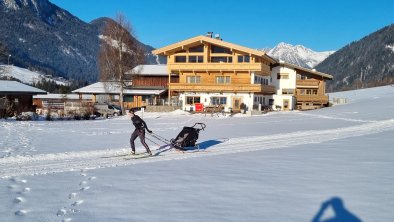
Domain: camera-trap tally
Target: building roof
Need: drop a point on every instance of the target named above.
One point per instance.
(200, 39)
(149, 70)
(17, 88)
(113, 88)
(62, 96)
(311, 71)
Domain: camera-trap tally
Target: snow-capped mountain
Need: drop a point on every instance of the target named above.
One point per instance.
(298, 55)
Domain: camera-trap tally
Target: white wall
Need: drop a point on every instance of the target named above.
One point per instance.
(205, 99)
(283, 83)
(280, 84)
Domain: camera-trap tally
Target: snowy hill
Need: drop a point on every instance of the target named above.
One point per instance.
(282, 166)
(27, 76)
(298, 55)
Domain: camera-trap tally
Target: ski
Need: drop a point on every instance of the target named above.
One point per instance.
(138, 156)
(122, 155)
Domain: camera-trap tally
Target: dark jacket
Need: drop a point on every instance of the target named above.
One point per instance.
(139, 123)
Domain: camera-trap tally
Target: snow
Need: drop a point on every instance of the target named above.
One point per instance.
(390, 47)
(25, 75)
(276, 167)
(298, 55)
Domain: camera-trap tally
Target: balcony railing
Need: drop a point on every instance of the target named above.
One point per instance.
(222, 88)
(323, 99)
(307, 83)
(217, 67)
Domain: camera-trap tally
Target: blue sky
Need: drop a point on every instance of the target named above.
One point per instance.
(319, 25)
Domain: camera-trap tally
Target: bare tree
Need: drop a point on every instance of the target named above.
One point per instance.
(119, 53)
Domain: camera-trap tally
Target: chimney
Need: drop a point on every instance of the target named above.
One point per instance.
(209, 34)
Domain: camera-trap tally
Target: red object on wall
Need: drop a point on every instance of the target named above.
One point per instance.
(199, 107)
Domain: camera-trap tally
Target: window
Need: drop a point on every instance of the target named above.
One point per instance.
(218, 49)
(218, 100)
(196, 59)
(314, 91)
(283, 76)
(128, 98)
(180, 59)
(223, 80)
(302, 91)
(242, 59)
(193, 79)
(216, 59)
(199, 48)
(287, 91)
(192, 99)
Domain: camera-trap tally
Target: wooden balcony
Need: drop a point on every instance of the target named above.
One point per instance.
(307, 83)
(322, 99)
(257, 67)
(255, 88)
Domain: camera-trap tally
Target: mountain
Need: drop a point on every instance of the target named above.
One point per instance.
(297, 55)
(41, 36)
(28, 77)
(365, 63)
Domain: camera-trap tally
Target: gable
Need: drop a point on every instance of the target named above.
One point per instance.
(199, 41)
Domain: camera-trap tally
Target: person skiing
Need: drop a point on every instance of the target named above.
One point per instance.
(139, 131)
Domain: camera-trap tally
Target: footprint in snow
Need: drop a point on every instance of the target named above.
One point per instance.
(21, 212)
(76, 203)
(84, 188)
(61, 212)
(17, 186)
(72, 195)
(19, 200)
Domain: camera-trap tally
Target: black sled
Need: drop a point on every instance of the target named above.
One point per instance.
(188, 137)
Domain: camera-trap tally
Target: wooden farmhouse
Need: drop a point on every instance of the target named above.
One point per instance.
(207, 71)
(298, 87)
(212, 72)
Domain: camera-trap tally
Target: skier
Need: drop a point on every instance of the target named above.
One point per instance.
(139, 131)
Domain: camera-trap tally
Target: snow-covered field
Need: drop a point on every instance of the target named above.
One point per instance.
(276, 167)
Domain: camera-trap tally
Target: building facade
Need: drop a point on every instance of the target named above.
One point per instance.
(209, 71)
(298, 88)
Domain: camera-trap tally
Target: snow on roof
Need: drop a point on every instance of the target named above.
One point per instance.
(14, 87)
(62, 96)
(113, 88)
(150, 70)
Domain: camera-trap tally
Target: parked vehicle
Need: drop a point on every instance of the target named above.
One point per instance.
(107, 110)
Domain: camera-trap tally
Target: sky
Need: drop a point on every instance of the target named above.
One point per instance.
(319, 25)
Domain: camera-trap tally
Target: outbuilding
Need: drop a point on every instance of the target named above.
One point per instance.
(16, 97)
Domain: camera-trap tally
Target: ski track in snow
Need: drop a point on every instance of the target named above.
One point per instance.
(15, 166)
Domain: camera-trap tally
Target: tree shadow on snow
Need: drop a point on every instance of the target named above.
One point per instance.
(337, 206)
